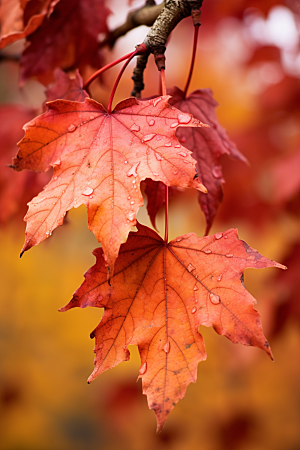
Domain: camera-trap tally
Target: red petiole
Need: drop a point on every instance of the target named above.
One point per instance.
(164, 92)
(196, 29)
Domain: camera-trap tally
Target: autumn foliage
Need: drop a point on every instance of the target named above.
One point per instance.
(155, 292)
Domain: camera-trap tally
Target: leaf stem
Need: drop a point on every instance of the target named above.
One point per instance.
(117, 81)
(163, 82)
(196, 29)
(166, 214)
(108, 66)
(164, 92)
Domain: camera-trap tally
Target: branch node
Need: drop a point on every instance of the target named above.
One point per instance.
(160, 61)
(196, 16)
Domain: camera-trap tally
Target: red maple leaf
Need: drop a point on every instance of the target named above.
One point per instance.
(207, 145)
(67, 88)
(67, 39)
(99, 160)
(15, 189)
(18, 18)
(159, 296)
(156, 194)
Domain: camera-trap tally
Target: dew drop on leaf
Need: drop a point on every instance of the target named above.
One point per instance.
(71, 127)
(177, 146)
(143, 369)
(196, 288)
(215, 299)
(190, 267)
(218, 235)
(130, 215)
(57, 162)
(156, 101)
(88, 191)
(167, 347)
(148, 137)
(184, 118)
(230, 255)
(155, 173)
(125, 162)
(168, 144)
(158, 157)
(207, 251)
(133, 170)
(194, 310)
(151, 122)
(220, 277)
(173, 125)
(135, 127)
(182, 154)
(132, 202)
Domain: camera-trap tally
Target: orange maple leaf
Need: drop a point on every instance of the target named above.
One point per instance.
(159, 296)
(99, 160)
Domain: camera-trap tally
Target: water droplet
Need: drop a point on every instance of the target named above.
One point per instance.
(133, 170)
(158, 138)
(182, 154)
(196, 288)
(151, 122)
(179, 239)
(143, 369)
(156, 101)
(230, 255)
(132, 202)
(190, 267)
(167, 347)
(128, 197)
(158, 157)
(71, 127)
(156, 174)
(215, 299)
(218, 235)
(57, 162)
(194, 310)
(177, 146)
(225, 237)
(125, 162)
(220, 277)
(184, 118)
(55, 178)
(168, 144)
(175, 173)
(185, 161)
(91, 117)
(91, 197)
(88, 191)
(182, 139)
(148, 137)
(207, 251)
(175, 124)
(217, 172)
(130, 215)
(135, 127)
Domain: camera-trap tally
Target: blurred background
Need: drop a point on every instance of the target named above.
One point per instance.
(249, 55)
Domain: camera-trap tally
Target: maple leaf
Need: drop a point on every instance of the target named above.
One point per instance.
(67, 88)
(17, 23)
(99, 160)
(160, 295)
(207, 145)
(15, 189)
(68, 39)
